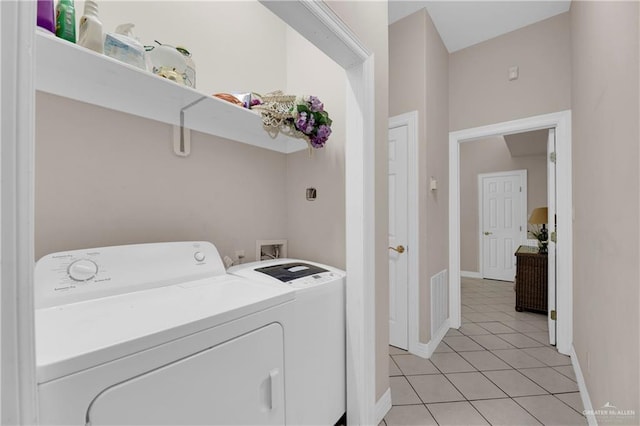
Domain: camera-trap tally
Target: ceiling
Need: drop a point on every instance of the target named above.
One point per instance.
(527, 144)
(465, 23)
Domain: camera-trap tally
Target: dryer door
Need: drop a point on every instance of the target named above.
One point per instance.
(239, 382)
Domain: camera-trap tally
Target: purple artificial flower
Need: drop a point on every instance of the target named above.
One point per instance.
(315, 104)
(305, 122)
(324, 132)
(301, 122)
(317, 142)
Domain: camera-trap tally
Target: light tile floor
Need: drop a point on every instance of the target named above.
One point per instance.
(497, 369)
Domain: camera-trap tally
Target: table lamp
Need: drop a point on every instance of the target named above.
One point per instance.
(539, 216)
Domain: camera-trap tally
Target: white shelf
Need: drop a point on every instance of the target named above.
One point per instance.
(71, 71)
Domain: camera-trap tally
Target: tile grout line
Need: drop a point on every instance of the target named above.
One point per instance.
(499, 293)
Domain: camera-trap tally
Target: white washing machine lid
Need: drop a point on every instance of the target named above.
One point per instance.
(293, 273)
(98, 305)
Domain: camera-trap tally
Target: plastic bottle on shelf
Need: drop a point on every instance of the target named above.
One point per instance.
(45, 15)
(66, 20)
(90, 28)
(123, 46)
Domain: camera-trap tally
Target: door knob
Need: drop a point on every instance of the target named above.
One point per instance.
(488, 233)
(399, 249)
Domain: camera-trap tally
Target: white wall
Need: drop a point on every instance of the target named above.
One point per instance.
(316, 229)
(238, 46)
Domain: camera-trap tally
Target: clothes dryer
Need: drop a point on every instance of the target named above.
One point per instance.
(158, 334)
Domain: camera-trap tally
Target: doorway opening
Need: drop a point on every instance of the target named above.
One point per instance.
(561, 123)
(502, 207)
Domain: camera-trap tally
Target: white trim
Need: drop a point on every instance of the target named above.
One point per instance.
(383, 406)
(410, 119)
(469, 274)
(582, 387)
(426, 350)
(422, 350)
(523, 210)
(322, 27)
(562, 123)
(319, 24)
(435, 340)
(18, 365)
(360, 238)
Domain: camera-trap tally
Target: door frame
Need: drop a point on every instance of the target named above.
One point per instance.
(523, 209)
(317, 22)
(410, 119)
(18, 402)
(561, 121)
(552, 202)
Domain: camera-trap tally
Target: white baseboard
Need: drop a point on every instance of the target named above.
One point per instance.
(383, 405)
(435, 340)
(425, 350)
(470, 274)
(582, 387)
(420, 349)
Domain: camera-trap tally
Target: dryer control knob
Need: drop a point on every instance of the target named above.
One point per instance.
(82, 270)
(199, 256)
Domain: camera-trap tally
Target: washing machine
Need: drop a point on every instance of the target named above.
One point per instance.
(159, 334)
(318, 369)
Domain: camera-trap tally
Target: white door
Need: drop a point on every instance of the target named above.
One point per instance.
(502, 222)
(239, 382)
(398, 233)
(551, 208)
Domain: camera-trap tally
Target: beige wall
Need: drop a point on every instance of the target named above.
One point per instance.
(368, 20)
(418, 74)
(605, 105)
(407, 89)
(488, 156)
(436, 215)
(480, 92)
(215, 193)
(113, 179)
(316, 229)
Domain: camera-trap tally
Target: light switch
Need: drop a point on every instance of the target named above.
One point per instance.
(513, 73)
(433, 184)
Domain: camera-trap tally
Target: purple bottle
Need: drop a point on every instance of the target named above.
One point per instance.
(46, 17)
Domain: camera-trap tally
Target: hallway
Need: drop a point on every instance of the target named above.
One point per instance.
(497, 369)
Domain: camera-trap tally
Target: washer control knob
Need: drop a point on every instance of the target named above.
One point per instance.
(199, 256)
(82, 270)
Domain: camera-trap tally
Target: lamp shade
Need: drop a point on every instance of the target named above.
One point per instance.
(539, 216)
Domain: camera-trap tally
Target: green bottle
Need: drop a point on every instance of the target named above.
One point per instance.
(66, 20)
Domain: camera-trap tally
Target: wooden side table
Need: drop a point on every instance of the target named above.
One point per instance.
(531, 280)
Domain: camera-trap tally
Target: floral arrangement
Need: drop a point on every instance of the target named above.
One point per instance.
(302, 116)
(311, 119)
